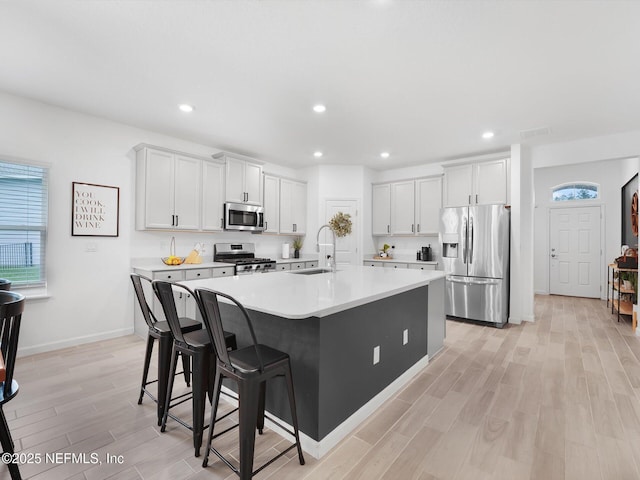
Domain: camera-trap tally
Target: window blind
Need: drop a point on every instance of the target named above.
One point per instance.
(23, 223)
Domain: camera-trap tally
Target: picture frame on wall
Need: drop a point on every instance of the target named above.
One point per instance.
(95, 210)
(630, 213)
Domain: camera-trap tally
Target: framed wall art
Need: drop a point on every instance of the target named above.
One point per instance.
(630, 213)
(95, 210)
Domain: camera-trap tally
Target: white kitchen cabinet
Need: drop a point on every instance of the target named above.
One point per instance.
(271, 204)
(168, 186)
(283, 267)
(428, 205)
(395, 265)
(212, 196)
(293, 207)
(480, 183)
(409, 207)
(402, 208)
(313, 264)
(223, 271)
(426, 266)
(381, 209)
(298, 265)
(179, 295)
(243, 180)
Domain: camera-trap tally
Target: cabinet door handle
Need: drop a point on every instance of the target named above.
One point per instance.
(295, 227)
(469, 199)
(412, 228)
(476, 198)
(176, 220)
(388, 229)
(266, 225)
(222, 223)
(173, 220)
(418, 228)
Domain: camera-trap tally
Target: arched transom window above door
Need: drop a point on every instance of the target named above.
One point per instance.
(575, 191)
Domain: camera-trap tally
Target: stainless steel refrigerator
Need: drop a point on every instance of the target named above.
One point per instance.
(475, 255)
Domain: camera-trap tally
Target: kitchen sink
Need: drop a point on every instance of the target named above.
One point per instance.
(311, 271)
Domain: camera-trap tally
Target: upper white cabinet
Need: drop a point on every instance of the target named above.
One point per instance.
(212, 196)
(243, 180)
(428, 205)
(293, 207)
(402, 208)
(409, 207)
(381, 209)
(271, 204)
(481, 183)
(168, 189)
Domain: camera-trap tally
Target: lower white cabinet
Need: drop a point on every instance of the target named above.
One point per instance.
(417, 266)
(388, 264)
(223, 272)
(283, 266)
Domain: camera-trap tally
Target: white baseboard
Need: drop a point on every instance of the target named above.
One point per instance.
(317, 448)
(72, 342)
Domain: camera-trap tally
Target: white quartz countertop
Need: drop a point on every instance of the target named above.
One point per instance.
(157, 265)
(305, 258)
(370, 258)
(295, 296)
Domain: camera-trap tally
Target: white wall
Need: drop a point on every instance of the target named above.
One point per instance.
(611, 175)
(90, 293)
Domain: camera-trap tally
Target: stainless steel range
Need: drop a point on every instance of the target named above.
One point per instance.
(243, 255)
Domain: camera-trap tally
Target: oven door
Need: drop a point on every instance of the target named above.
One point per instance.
(243, 217)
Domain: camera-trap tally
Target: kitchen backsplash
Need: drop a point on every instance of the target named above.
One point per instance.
(406, 247)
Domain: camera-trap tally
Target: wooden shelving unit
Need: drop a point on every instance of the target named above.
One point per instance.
(617, 293)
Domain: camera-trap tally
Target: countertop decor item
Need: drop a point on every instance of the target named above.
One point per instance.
(173, 260)
(297, 245)
(341, 224)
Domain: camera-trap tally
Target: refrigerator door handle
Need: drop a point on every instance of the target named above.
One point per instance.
(473, 281)
(464, 240)
(470, 240)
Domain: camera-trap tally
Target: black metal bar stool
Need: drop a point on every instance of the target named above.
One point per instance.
(159, 330)
(198, 347)
(5, 284)
(250, 367)
(11, 308)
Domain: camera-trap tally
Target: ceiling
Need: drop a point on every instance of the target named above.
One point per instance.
(420, 79)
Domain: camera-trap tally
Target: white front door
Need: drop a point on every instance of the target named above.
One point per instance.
(346, 247)
(575, 252)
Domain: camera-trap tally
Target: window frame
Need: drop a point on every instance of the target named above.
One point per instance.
(575, 184)
(34, 289)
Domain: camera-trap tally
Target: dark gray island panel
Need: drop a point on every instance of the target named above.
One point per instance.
(332, 357)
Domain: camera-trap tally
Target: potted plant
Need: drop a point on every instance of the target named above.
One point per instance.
(385, 250)
(297, 245)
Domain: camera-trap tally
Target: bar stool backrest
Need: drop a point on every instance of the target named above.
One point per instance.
(5, 284)
(212, 319)
(164, 291)
(147, 313)
(11, 308)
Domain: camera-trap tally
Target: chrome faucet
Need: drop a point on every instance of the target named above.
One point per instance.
(332, 259)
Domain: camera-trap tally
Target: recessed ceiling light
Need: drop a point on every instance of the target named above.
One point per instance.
(487, 135)
(319, 108)
(185, 108)
(384, 154)
(317, 154)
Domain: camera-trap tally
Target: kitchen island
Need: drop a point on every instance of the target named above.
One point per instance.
(355, 337)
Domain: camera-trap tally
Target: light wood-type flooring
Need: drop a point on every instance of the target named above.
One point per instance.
(554, 399)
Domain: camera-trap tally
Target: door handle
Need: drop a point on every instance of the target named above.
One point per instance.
(412, 228)
(418, 228)
(471, 241)
(465, 239)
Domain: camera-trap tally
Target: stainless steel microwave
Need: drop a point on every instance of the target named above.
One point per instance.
(238, 216)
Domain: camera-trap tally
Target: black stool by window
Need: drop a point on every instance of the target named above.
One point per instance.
(11, 308)
(197, 346)
(5, 284)
(250, 367)
(159, 330)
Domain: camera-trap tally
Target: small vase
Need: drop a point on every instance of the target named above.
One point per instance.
(296, 254)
